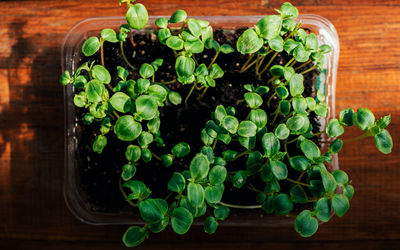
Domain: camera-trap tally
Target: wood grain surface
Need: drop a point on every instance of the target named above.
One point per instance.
(33, 214)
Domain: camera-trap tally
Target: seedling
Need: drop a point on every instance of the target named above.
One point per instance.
(130, 108)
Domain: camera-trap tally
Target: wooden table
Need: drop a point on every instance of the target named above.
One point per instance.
(33, 214)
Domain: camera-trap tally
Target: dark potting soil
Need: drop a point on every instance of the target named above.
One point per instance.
(99, 174)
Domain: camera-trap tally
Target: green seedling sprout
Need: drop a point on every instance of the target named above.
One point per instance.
(130, 108)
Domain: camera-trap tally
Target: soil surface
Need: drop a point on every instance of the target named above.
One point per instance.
(99, 174)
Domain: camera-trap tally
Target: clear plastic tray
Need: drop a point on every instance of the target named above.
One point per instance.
(70, 56)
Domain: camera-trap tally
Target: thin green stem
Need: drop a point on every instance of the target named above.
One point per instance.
(153, 78)
(213, 60)
(276, 116)
(289, 62)
(291, 141)
(308, 70)
(268, 64)
(270, 99)
(126, 59)
(102, 51)
(301, 176)
(190, 93)
(124, 194)
(214, 144)
(252, 188)
(302, 65)
(116, 114)
(357, 138)
(297, 182)
(241, 154)
(286, 150)
(248, 66)
(239, 206)
(204, 91)
(156, 156)
(247, 62)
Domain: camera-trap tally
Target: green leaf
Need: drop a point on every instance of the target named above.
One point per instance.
(321, 110)
(210, 225)
(146, 70)
(300, 54)
(284, 107)
(305, 224)
(295, 123)
(276, 44)
(91, 46)
(177, 183)
(167, 160)
(80, 99)
(383, 122)
(199, 167)
(340, 204)
(134, 236)
(282, 204)
(221, 212)
(205, 138)
(249, 42)
(299, 105)
(287, 10)
(220, 113)
(174, 97)
(217, 175)
(127, 129)
(290, 45)
(65, 78)
(288, 24)
(87, 119)
(98, 110)
(154, 125)
(226, 49)
(296, 85)
(328, 180)
(239, 179)
(128, 171)
(279, 169)
(133, 153)
(181, 149)
(109, 35)
(229, 155)
(195, 46)
(299, 163)
(95, 91)
(178, 16)
(162, 22)
(158, 92)
(270, 144)
(253, 100)
(311, 103)
(194, 27)
(298, 195)
(216, 71)
(323, 209)
(138, 189)
(181, 220)
(105, 126)
(259, 117)
(213, 194)
(282, 132)
(312, 42)
(270, 26)
(336, 146)
(334, 129)
(384, 142)
(184, 66)
(122, 73)
(99, 143)
(247, 129)
(146, 107)
(364, 118)
(230, 123)
(268, 205)
(152, 210)
(348, 191)
(158, 226)
(262, 90)
(163, 35)
(195, 194)
(340, 177)
(121, 102)
(196, 211)
(310, 149)
(137, 16)
(277, 70)
(175, 43)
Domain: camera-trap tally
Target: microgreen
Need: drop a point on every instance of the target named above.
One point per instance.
(257, 144)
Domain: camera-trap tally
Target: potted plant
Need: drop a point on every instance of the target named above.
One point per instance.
(185, 121)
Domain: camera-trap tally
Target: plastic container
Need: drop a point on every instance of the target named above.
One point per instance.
(70, 54)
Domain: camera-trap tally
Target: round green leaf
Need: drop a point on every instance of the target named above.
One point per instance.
(289, 46)
(137, 16)
(162, 22)
(295, 123)
(195, 46)
(259, 117)
(247, 129)
(284, 107)
(80, 99)
(152, 210)
(127, 129)
(312, 42)
(99, 143)
(340, 204)
(253, 100)
(270, 144)
(109, 35)
(210, 225)
(175, 43)
(146, 70)
(310, 149)
(217, 175)
(277, 70)
(133, 153)
(146, 107)
(276, 44)
(213, 194)
(196, 194)
(194, 27)
(95, 91)
(221, 212)
(176, 183)
(249, 42)
(128, 171)
(336, 146)
(299, 105)
(282, 204)
(299, 163)
(328, 180)
(287, 10)
(163, 35)
(270, 26)
(230, 123)
(300, 54)
(138, 189)
(323, 209)
(348, 191)
(296, 85)
(346, 117)
(226, 49)
(134, 236)
(239, 179)
(305, 224)
(340, 177)
(364, 118)
(181, 220)
(181, 149)
(216, 71)
(282, 132)
(334, 129)
(174, 97)
(167, 160)
(199, 167)
(298, 195)
(87, 119)
(384, 142)
(121, 102)
(91, 46)
(278, 169)
(184, 66)
(178, 16)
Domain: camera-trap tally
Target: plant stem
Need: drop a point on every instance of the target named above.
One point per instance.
(213, 60)
(276, 115)
(190, 93)
(116, 114)
(268, 64)
(301, 176)
(153, 78)
(291, 141)
(156, 156)
(199, 88)
(214, 144)
(239, 206)
(308, 70)
(175, 54)
(249, 66)
(241, 154)
(286, 150)
(247, 62)
(270, 99)
(102, 53)
(260, 62)
(288, 63)
(357, 138)
(301, 66)
(297, 182)
(252, 188)
(169, 82)
(204, 91)
(123, 55)
(124, 194)
(131, 39)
